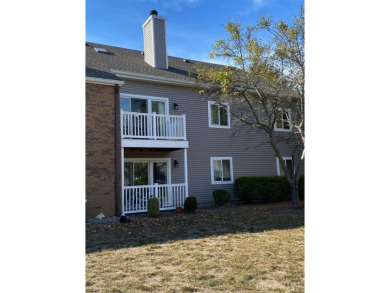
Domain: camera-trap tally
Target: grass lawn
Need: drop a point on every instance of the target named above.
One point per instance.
(247, 248)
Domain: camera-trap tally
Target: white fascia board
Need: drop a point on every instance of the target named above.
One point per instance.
(104, 81)
(150, 17)
(151, 78)
(166, 44)
(155, 143)
(153, 43)
(146, 22)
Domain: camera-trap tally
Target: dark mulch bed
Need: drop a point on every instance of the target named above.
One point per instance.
(168, 226)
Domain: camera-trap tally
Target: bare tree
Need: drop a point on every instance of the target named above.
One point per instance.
(265, 85)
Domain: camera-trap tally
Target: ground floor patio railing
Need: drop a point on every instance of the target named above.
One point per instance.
(135, 198)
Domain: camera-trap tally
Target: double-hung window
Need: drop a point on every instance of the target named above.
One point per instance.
(218, 115)
(221, 170)
(283, 120)
(289, 164)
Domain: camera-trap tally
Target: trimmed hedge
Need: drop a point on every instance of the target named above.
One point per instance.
(221, 196)
(153, 207)
(265, 188)
(190, 204)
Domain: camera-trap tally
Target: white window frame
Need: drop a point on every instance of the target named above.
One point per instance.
(150, 162)
(212, 159)
(277, 164)
(149, 101)
(219, 118)
(289, 121)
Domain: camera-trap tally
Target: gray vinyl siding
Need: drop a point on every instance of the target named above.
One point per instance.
(160, 43)
(248, 147)
(148, 44)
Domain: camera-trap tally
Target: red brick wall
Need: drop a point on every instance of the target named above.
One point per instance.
(100, 149)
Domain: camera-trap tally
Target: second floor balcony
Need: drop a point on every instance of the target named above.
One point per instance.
(153, 126)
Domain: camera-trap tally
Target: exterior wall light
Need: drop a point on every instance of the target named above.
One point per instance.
(175, 106)
(176, 163)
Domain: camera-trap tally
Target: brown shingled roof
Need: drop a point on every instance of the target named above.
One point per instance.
(100, 64)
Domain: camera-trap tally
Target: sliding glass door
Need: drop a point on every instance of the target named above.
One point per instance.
(141, 124)
(144, 105)
(146, 172)
(139, 105)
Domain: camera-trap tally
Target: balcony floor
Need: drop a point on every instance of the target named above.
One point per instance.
(154, 143)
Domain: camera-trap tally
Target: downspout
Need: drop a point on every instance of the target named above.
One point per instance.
(117, 157)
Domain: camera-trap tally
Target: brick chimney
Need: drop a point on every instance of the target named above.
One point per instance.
(155, 41)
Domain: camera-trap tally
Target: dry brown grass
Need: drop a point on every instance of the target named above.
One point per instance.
(231, 249)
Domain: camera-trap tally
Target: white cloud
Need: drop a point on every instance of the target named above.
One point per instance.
(177, 5)
(255, 7)
(257, 4)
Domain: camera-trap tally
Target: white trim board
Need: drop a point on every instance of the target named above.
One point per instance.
(104, 81)
(277, 164)
(212, 170)
(150, 161)
(154, 143)
(209, 114)
(150, 17)
(152, 78)
(289, 121)
(153, 42)
(166, 43)
(149, 101)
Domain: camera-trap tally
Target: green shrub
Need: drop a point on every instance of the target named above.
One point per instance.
(190, 204)
(276, 188)
(265, 188)
(221, 196)
(247, 188)
(153, 207)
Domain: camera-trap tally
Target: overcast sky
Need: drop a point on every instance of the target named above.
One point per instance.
(193, 26)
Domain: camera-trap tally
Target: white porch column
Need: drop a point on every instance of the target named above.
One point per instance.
(185, 172)
(122, 132)
(123, 178)
(154, 123)
(184, 127)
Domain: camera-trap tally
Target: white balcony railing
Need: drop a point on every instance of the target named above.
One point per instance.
(153, 126)
(135, 198)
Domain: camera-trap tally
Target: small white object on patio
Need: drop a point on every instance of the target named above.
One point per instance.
(100, 216)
